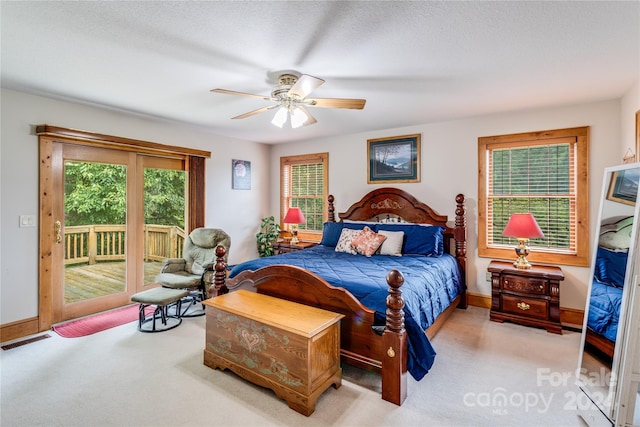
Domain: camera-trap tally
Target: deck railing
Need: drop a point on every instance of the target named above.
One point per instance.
(90, 244)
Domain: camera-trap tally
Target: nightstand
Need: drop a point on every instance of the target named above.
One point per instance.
(528, 297)
(285, 246)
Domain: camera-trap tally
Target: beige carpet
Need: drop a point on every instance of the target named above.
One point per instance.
(485, 374)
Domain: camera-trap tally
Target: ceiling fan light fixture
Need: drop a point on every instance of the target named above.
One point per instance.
(280, 118)
(298, 118)
(290, 97)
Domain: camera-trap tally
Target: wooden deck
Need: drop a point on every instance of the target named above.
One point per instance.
(85, 282)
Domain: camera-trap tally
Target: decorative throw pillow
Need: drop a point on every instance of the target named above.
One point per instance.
(367, 242)
(392, 244)
(346, 237)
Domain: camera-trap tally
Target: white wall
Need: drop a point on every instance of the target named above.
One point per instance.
(449, 167)
(629, 105)
(238, 212)
(443, 144)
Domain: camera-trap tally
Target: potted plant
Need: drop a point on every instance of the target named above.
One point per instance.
(268, 234)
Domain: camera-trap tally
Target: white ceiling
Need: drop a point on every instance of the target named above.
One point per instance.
(414, 62)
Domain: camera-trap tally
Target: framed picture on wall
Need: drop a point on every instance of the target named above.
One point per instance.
(240, 174)
(624, 186)
(393, 160)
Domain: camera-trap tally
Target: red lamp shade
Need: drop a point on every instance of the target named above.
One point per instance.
(522, 226)
(294, 216)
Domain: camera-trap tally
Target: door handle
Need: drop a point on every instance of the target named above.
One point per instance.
(58, 231)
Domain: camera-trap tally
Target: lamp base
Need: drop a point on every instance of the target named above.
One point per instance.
(522, 263)
(522, 251)
(294, 237)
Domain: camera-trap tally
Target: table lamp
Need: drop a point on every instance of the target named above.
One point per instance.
(522, 226)
(294, 217)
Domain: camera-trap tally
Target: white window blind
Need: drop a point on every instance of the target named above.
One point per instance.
(303, 181)
(537, 178)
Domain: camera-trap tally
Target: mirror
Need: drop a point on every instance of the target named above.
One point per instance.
(608, 294)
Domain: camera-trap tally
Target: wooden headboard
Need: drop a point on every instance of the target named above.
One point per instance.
(396, 205)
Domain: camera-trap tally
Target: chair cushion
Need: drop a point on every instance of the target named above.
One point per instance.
(159, 296)
(179, 280)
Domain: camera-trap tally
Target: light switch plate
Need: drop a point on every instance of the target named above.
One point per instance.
(27, 220)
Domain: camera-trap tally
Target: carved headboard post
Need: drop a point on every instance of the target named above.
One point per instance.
(460, 231)
(331, 210)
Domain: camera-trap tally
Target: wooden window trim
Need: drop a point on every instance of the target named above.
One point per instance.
(297, 160)
(581, 136)
(125, 144)
(195, 161)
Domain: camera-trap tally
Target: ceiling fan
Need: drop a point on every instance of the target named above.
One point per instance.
(290, 96)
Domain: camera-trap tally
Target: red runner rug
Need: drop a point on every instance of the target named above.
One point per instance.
(99, 322)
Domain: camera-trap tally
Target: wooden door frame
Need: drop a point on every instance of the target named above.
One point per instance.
(64, 152)
(47, 137)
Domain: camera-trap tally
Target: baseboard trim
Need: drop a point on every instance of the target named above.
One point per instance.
(19, 329)
(478, 300)
(571, 316)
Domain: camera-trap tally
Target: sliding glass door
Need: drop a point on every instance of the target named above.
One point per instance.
(118, 214)
(163, 214)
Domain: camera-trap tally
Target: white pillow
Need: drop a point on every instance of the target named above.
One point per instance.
(344, 242)
(393, 243)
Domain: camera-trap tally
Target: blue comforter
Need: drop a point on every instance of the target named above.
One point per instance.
(606, 292)
(604, 309)
(431, 283)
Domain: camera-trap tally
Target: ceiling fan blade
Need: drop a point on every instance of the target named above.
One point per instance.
(310, 119)
(233, 92)
(305, 85)
(355, 104)
(254, 112)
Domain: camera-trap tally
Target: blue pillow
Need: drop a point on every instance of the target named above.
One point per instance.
(331, 233)
(610, 267)
(418, 239)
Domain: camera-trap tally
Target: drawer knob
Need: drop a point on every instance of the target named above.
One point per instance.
(391, 352)
(523, 306)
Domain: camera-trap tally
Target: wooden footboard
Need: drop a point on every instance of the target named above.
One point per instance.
(600, 342)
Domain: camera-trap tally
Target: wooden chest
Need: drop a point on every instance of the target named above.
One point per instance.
(290, 348)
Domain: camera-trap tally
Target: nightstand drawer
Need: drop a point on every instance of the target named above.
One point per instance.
(525, 306)
(527, 285)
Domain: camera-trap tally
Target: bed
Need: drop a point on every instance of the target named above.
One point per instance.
(392, 305)
(607, 284)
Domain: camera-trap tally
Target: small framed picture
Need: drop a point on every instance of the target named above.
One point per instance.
(240, 174)
(624, 186)
(395, 159)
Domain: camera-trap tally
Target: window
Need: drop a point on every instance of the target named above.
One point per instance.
(304, 184)
(544, 173)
